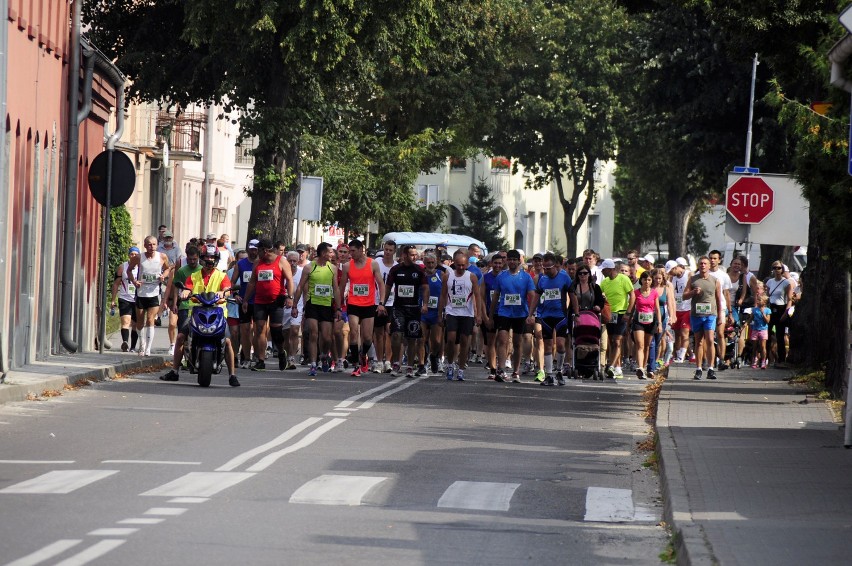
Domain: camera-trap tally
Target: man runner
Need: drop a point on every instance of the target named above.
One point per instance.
(364, 278)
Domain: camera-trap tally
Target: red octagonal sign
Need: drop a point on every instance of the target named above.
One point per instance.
(750, 200)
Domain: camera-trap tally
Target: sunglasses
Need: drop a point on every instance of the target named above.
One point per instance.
(777, 267)
(582, 273)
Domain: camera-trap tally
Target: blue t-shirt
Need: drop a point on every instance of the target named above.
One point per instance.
(490, 279)
(513, 291)
(246, 267)
(473, 268)
(552, 292)
(434, 295)
(759, 322)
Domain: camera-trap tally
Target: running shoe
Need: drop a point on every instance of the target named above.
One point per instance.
(560, 380)
(233, 381)
(515, 377)
(499, 377)
(282, 360)
(312, 370)
(640, 373)
(540, 375)
(291, 363)
(395, 369)
(325, 365)
(618, 374)
(492, 373)
(171, 349)
(754, 365)
(421, 372)
(124, 347)
(171, 376)
(764, 364)
(356, 372)
(388, 366)
(711, 373)
(548, 381)
(409, 372)
(460, 375)
(259, 365)
(451, 372)
(697, 376)
(609, 372)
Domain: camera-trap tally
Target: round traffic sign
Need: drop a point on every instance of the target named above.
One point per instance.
(750, 200)
(123, 178)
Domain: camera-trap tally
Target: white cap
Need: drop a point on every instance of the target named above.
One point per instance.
(786, 269)
(253, 244)
(211, 236)
(671, 264)
(682, 261)
(649, 258)
(608, 264)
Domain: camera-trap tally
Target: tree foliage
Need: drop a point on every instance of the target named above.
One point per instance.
(482, 217)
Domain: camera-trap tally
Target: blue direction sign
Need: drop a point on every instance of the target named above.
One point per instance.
(747, 170)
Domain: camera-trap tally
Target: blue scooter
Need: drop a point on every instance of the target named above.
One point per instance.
(204, 351)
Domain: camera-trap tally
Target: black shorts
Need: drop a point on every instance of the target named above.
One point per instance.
(459, 324)
(619, 325)
(381, 321)
(516, 325)
(495, 327)
(126, 308)
(361, 312)
(271, 312)
(646, 328)
(322, 313)
(146, 303)
(248, 316)
(553, 326)
(407, 321)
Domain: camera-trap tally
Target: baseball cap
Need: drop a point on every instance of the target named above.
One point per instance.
(168, 234)
(649, 258)
(253, 244)
(608, 264)
(671, 264)
(682, 261)
(265, 244)
(538, 256)
(301, 248)
(380, 253)
(210, 236)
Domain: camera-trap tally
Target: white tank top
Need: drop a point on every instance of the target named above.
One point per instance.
(460, 294)
(224, 256)
(679, 284)
(384, 269)
(151, 269)
(127, 289)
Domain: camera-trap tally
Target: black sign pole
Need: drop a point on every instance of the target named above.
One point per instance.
(105, 253)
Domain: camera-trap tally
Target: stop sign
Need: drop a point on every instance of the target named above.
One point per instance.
(750, 200)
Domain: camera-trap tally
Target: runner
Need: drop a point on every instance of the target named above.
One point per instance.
(619, 292)
(381, 326)
(705, 292)
(173, 252)
(154, 268)
(271, 287)
(124, 296)
(364, 279)
(461, 303)
(341, 326)
(322, 300)
(242, 274)
(514, 290)
(490, 326)
(550, 304)
(430, 323)
(407, 289)
(725, 317)
(295, 322)
(680, 279)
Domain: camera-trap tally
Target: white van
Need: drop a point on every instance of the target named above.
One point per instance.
(431, 239)
(733, 249)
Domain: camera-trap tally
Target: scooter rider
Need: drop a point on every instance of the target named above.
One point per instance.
(208, 280)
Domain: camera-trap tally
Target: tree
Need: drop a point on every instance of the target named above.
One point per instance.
(560, 104)
(482, 217)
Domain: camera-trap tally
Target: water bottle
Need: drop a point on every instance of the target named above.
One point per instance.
(112, 311)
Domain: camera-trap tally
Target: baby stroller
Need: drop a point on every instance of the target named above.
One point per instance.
(732, 345)
(586, 346)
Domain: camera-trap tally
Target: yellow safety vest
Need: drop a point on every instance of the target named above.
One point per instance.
(214, 284)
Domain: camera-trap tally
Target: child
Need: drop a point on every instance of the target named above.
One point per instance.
(760, 331)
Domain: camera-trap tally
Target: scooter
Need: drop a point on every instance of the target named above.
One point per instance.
(204, 350)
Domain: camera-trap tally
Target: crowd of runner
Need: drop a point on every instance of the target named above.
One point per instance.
(411, 312)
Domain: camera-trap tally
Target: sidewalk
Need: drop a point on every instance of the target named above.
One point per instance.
(753, 471)
(57, 371)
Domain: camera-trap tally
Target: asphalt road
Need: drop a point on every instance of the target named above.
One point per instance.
(289, 469)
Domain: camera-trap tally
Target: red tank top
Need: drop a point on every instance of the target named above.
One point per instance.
(362, 284)
(269, 282)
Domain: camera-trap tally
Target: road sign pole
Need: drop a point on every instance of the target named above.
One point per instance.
(849, 165)
(105, 253)
(751, 112)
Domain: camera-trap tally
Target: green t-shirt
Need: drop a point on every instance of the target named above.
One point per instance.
(320, 281)
(617, 292)
(181, 276)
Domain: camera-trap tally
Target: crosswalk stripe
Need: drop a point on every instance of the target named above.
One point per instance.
(59, 481)
(91, 553)
(481, 496)
(336, 490)
(45, 553)
(113, 532)
(609, 505)
(199, 484)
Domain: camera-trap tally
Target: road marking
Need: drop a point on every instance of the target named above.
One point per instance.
(199, 484)
(336, 490)
(189, 500)
(336, 415)
(170, 511)
(164, 462)
(60, 481)
(91, 553)
(309, 439)
(36, 461)
(281, 439)
(482, 496)
(113, 532)
(140, 521)
(347, 402)
(46, 553)
(369, 404)
(609, 505)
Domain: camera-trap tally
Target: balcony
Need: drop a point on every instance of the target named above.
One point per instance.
(183, 134)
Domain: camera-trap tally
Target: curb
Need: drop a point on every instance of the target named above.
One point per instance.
(11, 392)
(688, 538)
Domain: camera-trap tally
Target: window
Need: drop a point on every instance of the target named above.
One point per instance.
(244, 151)
(458, 164)
(500, 164)
(456, 219)
(427, 194)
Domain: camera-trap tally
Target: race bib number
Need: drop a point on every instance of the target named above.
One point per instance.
(703, 308)
(265, 275)
(458, 301)
(360, 290)
(322, 290)
(433, 302)
(405, 291)
(646, 317)
(149, 277)
(131, 289)
(246, 276)
(551, 295)
(512, 300)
